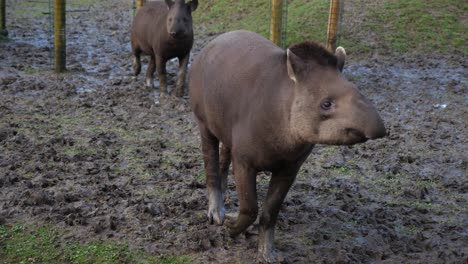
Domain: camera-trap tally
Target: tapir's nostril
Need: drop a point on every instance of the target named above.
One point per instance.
(356, 134)
(380, 132)
(177, 34)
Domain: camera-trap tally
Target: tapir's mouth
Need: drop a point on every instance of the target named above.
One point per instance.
(355, 135)
(179, 36)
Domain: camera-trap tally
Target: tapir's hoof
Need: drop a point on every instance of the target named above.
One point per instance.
(149, 83)
(232, 223)
(136, 69)
(160, 97)
(231, 220)
(216, 216)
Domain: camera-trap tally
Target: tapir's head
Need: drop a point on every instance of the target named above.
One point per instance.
(328, 109)
(179, 18)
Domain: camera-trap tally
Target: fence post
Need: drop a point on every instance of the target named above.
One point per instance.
(3, 30)
(276, 21)
(139, 4)
(60, 46)
(333, 24)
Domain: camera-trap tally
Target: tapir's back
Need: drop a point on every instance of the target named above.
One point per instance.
(147, 25)
(234, 74)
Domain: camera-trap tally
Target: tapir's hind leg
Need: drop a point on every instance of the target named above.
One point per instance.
(136, 60)
(161, 68)
(210, 149)
(225, 161)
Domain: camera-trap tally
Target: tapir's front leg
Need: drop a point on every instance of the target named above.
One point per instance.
(161, 68)
(246, 188)
(183, 62)
(150, 72)
(280, 183)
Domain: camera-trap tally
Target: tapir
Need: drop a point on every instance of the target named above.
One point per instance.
(163, 30)
(265, 108)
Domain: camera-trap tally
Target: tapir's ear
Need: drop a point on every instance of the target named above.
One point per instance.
(340, 54)
(193, 4)
(295, 65)
(169, 3)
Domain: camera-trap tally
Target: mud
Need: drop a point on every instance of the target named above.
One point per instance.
(88, 151)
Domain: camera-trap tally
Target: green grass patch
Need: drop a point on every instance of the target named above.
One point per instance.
(41, 8)
(43, 244)
(225, 15)
(201, 176)
(4, 38)
(32, 70)
(387, 27)
(431, 25)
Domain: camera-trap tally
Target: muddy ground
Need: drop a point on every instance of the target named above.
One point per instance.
(88, 151)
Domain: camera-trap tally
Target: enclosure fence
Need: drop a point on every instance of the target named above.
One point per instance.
(279, 21)
(3, 30)
(59, 35)
(276, 24)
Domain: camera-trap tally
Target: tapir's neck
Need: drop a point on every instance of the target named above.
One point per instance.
(283, 136)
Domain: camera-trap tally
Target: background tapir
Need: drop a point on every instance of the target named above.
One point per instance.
(163, 31)
(268, 107)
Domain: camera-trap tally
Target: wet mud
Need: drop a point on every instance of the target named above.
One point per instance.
(89, 151)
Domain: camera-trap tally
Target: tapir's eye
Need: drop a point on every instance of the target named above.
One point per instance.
(326, 104)
(170, 19)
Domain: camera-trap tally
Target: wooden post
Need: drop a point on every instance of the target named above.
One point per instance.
(60, 46)
(3, 30)
(333, 24)
(139, 4)
(276, 21)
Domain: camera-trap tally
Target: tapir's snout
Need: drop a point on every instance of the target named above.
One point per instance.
(364, 122)
(375, 128)
(177, 34)
(378, 132)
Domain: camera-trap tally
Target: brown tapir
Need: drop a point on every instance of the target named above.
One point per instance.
(268, 107)
(163, 31)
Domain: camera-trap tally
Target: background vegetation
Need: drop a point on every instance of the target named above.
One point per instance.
(387, 27)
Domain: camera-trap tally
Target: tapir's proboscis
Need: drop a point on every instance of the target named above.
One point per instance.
(265, 108)
(163, 31)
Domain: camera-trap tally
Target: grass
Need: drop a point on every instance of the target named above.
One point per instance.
(42, 244)
(40, 8)
(433, 25)
(386, 27)
(224, 15)
(31, 70)
(4, 39)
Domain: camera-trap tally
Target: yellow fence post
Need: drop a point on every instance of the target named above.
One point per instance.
(60, 50)
(3, 30)
(333, 24)
(276, 21)
(139, 4)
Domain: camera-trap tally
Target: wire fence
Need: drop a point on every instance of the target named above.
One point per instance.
(276, 22)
